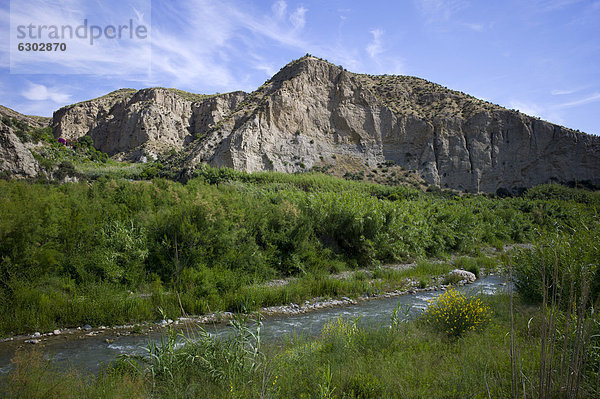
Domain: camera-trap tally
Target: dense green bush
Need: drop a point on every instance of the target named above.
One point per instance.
(563, 263)
(562, 193)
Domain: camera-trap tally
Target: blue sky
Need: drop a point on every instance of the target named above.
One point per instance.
(539, 56)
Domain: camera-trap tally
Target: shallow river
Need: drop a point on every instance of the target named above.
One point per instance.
(88, 353)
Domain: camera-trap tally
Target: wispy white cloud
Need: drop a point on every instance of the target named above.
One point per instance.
(395, 66)
(439, 10)
(528, 108)
(475, 27)
(552, 112)
(201, 50)
(380, 60)
(116, 57)
(541, 111)
(582, 101)
(260, 63)
(279, 9)
(553, 5)
(298, 17)
(563, 92)
(38, 92)
(189, 55)
(374, 48)
(199, 45)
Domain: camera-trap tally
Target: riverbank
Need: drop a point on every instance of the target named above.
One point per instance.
(344, 360)
(396, 277)
(85, 353)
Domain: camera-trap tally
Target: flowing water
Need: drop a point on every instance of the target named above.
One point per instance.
(88, 353)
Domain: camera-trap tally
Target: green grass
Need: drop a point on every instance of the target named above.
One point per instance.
(297, 291)
(113, 170)
(61, 303)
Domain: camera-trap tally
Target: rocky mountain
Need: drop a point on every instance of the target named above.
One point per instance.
(137, 125)
(29, 120)
(315, 115)
(16, 160)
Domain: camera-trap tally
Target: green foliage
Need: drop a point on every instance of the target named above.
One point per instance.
(65, 169)
(562, 193)
(27, 133)
(54, 154)
(85, 141)
(400, 315)
(346, 330)
(468, 264)
(454, 314)
(475, 265)
(363, 386)
(194, 97)
(34, 377)
(115, 170)
(559, 263)
(213, 242)
(216, 363)
(20, 128)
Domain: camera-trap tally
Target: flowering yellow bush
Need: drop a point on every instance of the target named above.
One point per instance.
(454, 313)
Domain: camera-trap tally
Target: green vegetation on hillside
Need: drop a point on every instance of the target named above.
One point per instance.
(26, 133)
(194, 97)
(79, 159)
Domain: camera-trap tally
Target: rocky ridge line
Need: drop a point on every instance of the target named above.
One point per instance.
(316, 115)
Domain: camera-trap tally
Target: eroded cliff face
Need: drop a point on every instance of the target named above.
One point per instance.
(15, 159)
(314, 114)
(303, 117)
(137, 125)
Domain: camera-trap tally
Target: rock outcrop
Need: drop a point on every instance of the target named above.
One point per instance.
(137, 125)
(461, 276)
(15, 159)
(315, 114)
